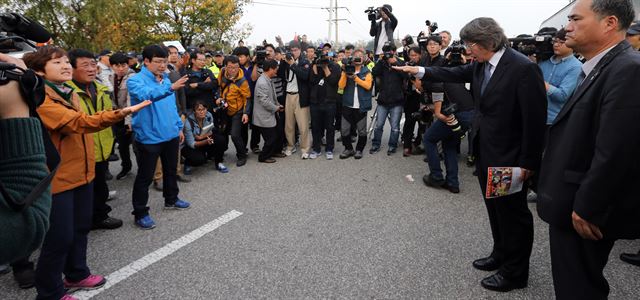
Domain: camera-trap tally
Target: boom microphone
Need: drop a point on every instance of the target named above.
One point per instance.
(24, 27)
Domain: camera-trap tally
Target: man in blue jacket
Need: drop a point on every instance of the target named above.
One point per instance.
(158, 133)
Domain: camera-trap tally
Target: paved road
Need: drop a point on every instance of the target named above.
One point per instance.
(319, 229)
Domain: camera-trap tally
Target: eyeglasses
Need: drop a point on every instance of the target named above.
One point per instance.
(471, 46)
(159, 61)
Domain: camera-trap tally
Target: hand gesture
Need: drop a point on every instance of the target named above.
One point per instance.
(585, 229)
(180, 83)
(245, 119)
(135, 108)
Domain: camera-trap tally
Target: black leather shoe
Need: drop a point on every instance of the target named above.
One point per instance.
(26, 278)
(108, 223)
(452, 189)
(486, 264)
(123, 174)
(631, 258)
(429, 181)
(499, 283)
(241, 162)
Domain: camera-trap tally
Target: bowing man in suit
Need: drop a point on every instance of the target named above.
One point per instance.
(589, 176)
(508, 131)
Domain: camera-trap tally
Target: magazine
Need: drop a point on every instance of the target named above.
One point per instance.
(503, 181)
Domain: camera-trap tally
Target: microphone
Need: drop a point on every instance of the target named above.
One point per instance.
(25, 27)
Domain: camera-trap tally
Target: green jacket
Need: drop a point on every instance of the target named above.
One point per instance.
(102, 140)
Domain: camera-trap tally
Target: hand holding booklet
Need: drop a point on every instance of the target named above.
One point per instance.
(503, 181)
(207, 129)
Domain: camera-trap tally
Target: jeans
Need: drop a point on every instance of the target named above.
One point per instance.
(412, 105)
(322, 117)
(395, 113)
(440, 132)
(65, 246)
(147, 158)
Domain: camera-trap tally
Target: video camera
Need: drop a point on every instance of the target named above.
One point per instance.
(540, 44)
(456, 51)
(373, 13)
(287, 53)
(261, 55)
(321, 59)
(17, 33)
(350, 64)
(423, 39)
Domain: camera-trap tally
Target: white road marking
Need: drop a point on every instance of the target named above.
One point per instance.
(153, 257)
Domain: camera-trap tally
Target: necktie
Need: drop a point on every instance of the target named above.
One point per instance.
(581, 78)
(486, 77)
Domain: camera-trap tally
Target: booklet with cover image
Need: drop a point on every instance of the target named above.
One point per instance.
(503, 181)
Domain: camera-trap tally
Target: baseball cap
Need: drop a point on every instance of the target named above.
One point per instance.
(218, 53)
(634, 29)
(106, 52)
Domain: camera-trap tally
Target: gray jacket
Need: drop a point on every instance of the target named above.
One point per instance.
(265, 103)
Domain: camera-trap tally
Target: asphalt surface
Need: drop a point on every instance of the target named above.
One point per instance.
(347, 229)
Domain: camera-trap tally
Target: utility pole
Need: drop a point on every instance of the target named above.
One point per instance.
(333, 8)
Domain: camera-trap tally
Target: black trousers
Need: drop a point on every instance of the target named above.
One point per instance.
(577, 265)
(101, 192)
(269, 135)
(322, 117)
(353, 119)
(147, 158)
(255, 137)
(411, 106)
(338, 123)
(511, 227)
(64, 250)
(199, 156)
(238, 133)
(124, 139)
(279, 145)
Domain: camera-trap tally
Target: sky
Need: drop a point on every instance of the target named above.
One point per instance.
(288, 17)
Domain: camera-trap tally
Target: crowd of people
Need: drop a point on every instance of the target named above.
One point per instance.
(178, 110)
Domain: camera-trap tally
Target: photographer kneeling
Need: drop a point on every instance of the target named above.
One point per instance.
(203, 139)
(453, 116)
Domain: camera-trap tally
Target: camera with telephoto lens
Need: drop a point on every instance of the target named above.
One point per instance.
(350, 64)
(321, 59)
(287, 53)
(455, 53)
(261, 55)
(539, 45)
(454, 125)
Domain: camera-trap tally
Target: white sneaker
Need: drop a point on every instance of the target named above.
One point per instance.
(314, 155)
(112, 195)
(288, 152)
(329, 155)
(294, 149)
(305, 155)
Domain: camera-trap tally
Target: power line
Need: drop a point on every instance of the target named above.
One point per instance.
(287, 5)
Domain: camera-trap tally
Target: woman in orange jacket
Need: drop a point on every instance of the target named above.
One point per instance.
(65, 246)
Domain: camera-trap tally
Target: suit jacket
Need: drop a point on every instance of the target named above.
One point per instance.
(510, 117)
(266, 103)
(591, 162)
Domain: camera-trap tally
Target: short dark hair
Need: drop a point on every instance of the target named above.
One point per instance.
(174, 47)
(269, 64)
(151, 51)
(231, 59)
(485, 32)
(270, 46)
(349, 47)
(79, 53)
(621, 9)
(198, 103)
(118, 58)
(415, 49)
(294, 44)
(38, 59)
(311, 47)
(241, 51)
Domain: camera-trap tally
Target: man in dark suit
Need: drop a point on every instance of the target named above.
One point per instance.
(588, 179)
(508, 130)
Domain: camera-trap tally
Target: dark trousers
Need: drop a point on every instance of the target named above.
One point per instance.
(577, 265)
(238, 134)
(199, 156)
(124, 139)
(322, 117)
(65, 245)
(511, 227)
(101, 192)
(279, 145)
(147, 158)
(410, 107)
(338, 123)
(269, 135)
(255, 137)
(353, 118)
(22, 264)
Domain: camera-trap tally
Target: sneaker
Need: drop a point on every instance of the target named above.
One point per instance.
(112, 195)
(391, 151)
(68, 297)
(305, 155)
(146, 223)
(113, 157)
(288, 152)
(329, 155)
(124, 173)
(255, 150)
(90, 283)
(222, 168)
(179, 205)
(26, 278)
(314, 155)
(374, 150)
(108, 223)
(295, 149)
(347, 153)
(358, 154)
(4, 269)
